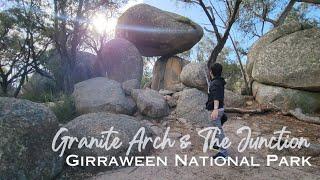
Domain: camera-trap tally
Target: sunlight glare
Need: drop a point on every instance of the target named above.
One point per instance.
(102, 24)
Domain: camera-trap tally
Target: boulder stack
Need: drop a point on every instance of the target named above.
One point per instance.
(286, 62)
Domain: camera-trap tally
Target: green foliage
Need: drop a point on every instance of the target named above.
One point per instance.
(64, 109)
(40, 98)
(233, 76)
(39, 89)
(148, 63)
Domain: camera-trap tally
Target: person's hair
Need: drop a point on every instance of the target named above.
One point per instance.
(216, 69)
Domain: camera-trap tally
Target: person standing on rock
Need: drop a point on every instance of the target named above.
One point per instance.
(215, 103)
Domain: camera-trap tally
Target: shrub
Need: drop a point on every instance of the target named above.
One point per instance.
(64, 109)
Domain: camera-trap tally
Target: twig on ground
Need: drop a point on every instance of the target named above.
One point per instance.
(250, 111)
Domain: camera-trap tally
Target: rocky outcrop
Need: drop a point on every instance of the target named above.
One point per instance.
(191, 106)
(120, 61)
(287, 99)
(156, 32)
(150, 103)
(288, 56)
(102, 95)
(91, 125)
(193, 75)
(166, 73)
(26, 131)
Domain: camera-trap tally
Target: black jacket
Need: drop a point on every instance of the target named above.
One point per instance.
(216, 92)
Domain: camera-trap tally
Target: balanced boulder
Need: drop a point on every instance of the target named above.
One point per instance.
(166, 73)
(102, 95)
(193, 75)
(156, 32)
(26, 131)
(120, 61)
(150, 103)
(288, 56)
(93, 124)
(286, 99)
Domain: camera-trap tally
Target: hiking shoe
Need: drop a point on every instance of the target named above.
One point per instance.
(219, 154)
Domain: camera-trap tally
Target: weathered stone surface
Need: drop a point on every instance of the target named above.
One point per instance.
(268, 38)
(150, 103)
(288, 56)
(91, 125)
(232, 99)
(120, 61)
(127, 86)
(156, 32)
(166, 73)
(193, 75)
(287, 99)
(26, 131)
(191, 106)
(102, 95)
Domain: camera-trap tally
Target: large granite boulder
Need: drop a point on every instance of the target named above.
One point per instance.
(150, 103)
(288, 56)
(156, 32)
(102, 95)
(191, 106)
(232, 99)
(286, 99)
(91, 125)
(120, 61)
(193, 75)
(166, 73)
(26, 131)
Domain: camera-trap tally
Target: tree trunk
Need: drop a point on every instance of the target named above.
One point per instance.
(241, 67)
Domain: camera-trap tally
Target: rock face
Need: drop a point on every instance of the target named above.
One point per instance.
(102, 95)
(150, 103)
(287, 99)
(166, 73)
(26, 131)
(193, 75)
(127, 86)
(120, 61)
(288, 56)
(191, 106)
(232, 99)
(156, 32)
(91, 125)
